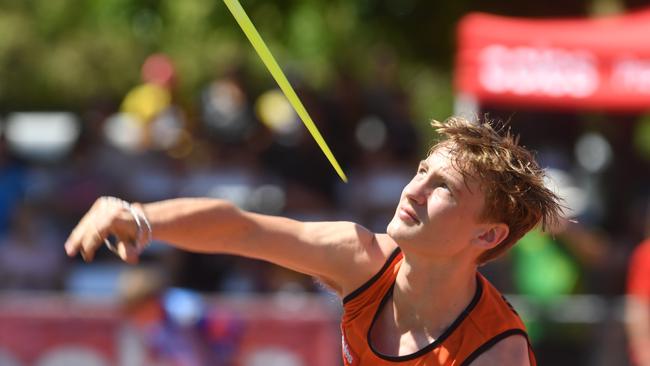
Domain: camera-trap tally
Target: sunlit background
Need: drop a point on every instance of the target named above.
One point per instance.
(153, 99)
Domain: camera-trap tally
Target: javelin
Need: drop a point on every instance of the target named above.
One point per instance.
(273, 67)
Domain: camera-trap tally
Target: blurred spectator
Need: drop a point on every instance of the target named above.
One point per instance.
(150, 116)
(226, 110)
(12, 185)
(375, 185)
(389, 102)
(30, 255)
(174, 325)
(293, 154)
(637, 305)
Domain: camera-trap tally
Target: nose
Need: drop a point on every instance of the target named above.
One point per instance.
(416, 192)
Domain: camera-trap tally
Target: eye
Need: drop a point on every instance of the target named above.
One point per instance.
(446, 187)
(422, 170)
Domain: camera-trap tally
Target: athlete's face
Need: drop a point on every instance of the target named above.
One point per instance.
(438, 213)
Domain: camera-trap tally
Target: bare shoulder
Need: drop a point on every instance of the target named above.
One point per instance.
(362, 251)
(367, 248)
(370, 257)
(510, 351)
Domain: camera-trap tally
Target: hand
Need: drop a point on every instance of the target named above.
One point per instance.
(108, 216)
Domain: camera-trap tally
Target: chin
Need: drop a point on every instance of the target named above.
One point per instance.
(391, 227)
(396, 229)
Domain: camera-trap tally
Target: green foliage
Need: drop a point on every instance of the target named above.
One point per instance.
(65, 53)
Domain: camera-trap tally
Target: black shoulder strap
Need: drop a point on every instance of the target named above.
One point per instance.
(373, 279)
(491, 342)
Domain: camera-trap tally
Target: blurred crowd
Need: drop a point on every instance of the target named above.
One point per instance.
(242, 141)
(235, 141)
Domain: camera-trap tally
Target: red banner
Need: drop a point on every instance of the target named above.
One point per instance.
(599, 63)
(55, 331)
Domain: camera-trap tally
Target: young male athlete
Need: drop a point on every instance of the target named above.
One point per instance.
(411, 296)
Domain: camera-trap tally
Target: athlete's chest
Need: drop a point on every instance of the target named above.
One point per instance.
(387, 338)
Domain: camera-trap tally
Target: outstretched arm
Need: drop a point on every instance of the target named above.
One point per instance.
(341, 254)
(637, 305)
(637, 324)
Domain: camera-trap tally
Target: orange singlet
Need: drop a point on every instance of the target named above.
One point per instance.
(488, 319)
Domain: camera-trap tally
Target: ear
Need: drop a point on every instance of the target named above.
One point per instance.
(489, 236)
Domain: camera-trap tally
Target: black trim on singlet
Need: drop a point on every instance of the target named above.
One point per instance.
(494, 340)
(435, 343)
(372, 279)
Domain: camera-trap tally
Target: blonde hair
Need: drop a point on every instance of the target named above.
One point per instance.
(511, 181)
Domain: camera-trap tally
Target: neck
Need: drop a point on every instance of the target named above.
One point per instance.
(432, 294)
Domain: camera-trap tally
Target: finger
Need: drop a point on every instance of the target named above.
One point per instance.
(91, 242)
(128, 252)
(73, 244)
(111, 246)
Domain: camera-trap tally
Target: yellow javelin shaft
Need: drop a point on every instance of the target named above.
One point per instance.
(273, 67)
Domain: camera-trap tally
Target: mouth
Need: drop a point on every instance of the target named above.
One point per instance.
(408, 215)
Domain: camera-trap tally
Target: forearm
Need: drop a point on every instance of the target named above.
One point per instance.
(197, 224)
(638, 329)
(640, 347)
